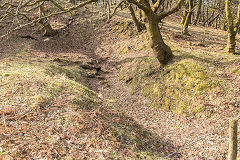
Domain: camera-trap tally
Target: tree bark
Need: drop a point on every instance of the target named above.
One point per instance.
(48, 30)
(138, 24)
(223, 26)
(231, 43)
(233, 139)
(188, 18)
(233, 26)
(198, 12)
(184, 14)
(162, 51)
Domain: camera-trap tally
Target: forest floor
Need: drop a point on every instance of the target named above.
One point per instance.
(75, 95)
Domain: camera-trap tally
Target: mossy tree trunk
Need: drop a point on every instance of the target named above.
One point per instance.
(188, 18)
(184, 13)
(140, 26)
(48, 30)
(233, 26)
(231, 42)
(223, 26)
(161, 51)
(153, 16)
(198, 12)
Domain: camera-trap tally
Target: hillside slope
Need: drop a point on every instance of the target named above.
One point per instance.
(95, 92)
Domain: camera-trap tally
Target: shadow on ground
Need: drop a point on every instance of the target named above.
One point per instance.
(131, 135)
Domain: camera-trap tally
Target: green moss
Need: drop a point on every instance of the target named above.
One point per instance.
(122, 26)
(124, 50)
(72, 72)
(236, 70)
(92, 74)
(5, 74)
(63, 60)
(41, 84)
(178, 88)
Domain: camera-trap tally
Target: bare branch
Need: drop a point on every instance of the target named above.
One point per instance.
(116, 7)
(45, 16)
(173, 10)
(140, 5)
(157, 5)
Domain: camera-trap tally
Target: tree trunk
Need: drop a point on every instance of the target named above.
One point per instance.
(138, 24)
(233, 26)
(184, 14)
(216, 23)
(203, 14)
(231, 42)
(223, 25)
(188, 19)
(215, 18)
(48, 30)
(162, 51)
(208, 18)
(198, 12)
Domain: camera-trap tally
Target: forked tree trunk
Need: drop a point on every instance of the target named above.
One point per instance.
(162, 51)
(153, 15)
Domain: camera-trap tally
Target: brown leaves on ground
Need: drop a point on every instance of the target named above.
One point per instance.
(70, 133)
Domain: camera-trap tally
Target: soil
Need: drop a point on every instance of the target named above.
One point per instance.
(191, 138)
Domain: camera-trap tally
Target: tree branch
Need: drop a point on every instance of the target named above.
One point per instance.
(139, 5)
(157, 5)
(173, 10)
(116, 7)
(47, 16)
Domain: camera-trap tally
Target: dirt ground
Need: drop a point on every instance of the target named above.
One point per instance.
(91, 37)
